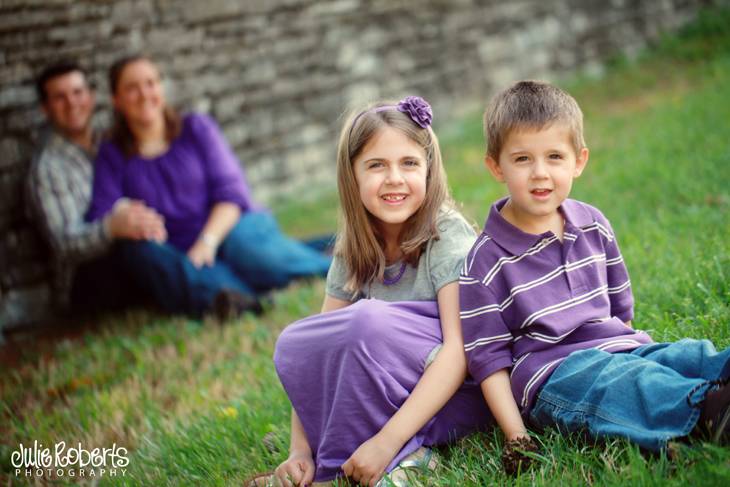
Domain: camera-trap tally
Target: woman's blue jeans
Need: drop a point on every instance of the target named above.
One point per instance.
(641, 395)
(254, 257)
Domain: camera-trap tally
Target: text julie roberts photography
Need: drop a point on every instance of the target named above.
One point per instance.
(62, 460)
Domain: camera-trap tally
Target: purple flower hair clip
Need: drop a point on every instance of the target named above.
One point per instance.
(414, 106)
(418, 109)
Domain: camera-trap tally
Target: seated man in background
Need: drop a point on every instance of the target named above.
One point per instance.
(88, 276)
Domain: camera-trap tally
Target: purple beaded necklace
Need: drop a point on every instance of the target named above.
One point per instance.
(393, 280)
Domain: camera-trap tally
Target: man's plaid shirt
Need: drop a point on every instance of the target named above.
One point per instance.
(59, 192)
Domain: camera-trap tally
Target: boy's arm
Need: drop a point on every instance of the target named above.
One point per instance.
(498, 394)
(488, 349)
(518, 445)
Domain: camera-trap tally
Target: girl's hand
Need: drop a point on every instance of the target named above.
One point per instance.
(297, 470)
(367, 464)
(201, 254)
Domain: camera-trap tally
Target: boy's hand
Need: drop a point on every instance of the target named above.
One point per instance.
(367, 464)
(514, 458)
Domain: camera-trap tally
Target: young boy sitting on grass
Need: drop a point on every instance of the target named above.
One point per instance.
(546, 302)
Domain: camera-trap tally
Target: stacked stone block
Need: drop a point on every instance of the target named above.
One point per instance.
(279, 74)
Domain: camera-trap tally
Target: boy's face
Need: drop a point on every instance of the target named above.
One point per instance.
(538, 167)
(69, 103)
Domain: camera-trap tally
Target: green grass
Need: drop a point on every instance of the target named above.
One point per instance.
(193, 401)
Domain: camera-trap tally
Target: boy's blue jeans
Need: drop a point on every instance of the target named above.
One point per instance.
(641, 395)
(254, 257)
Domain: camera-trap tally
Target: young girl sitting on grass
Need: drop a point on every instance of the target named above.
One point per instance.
(371, 379)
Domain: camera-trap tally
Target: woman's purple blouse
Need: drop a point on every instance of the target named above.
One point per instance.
(183, 184)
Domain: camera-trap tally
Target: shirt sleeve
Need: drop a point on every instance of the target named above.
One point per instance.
(336, 280)
(108, 181)
(487, 340)
(446, 255)
(225, 177)
(61, 217)
(617, 275)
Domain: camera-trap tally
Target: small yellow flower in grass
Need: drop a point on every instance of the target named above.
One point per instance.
(229, 412)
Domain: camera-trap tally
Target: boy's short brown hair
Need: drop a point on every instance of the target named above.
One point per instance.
(55, 70)
(530, 104)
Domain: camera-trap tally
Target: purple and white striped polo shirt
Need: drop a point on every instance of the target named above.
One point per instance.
(528, 301)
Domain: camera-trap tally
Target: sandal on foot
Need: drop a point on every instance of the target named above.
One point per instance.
(420, 460)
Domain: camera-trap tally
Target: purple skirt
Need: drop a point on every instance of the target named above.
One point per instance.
(348, 371)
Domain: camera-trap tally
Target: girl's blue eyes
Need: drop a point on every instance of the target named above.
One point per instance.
(407, 162)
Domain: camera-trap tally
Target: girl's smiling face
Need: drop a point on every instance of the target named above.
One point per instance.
(391, 175)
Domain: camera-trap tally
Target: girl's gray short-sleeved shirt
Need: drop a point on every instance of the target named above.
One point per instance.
(440, 264)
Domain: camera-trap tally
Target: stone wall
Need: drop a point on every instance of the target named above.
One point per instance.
(278, 74)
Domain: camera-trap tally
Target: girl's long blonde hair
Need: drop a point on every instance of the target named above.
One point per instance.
(359, 244)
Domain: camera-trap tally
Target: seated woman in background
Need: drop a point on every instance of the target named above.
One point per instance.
(221, 249)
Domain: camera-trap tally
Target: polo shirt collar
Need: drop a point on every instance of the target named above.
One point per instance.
(576, 213)
(518, 242)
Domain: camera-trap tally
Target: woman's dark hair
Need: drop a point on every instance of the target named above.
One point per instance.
(120, 133)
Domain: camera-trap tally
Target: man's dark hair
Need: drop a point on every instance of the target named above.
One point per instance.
(54, 70)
